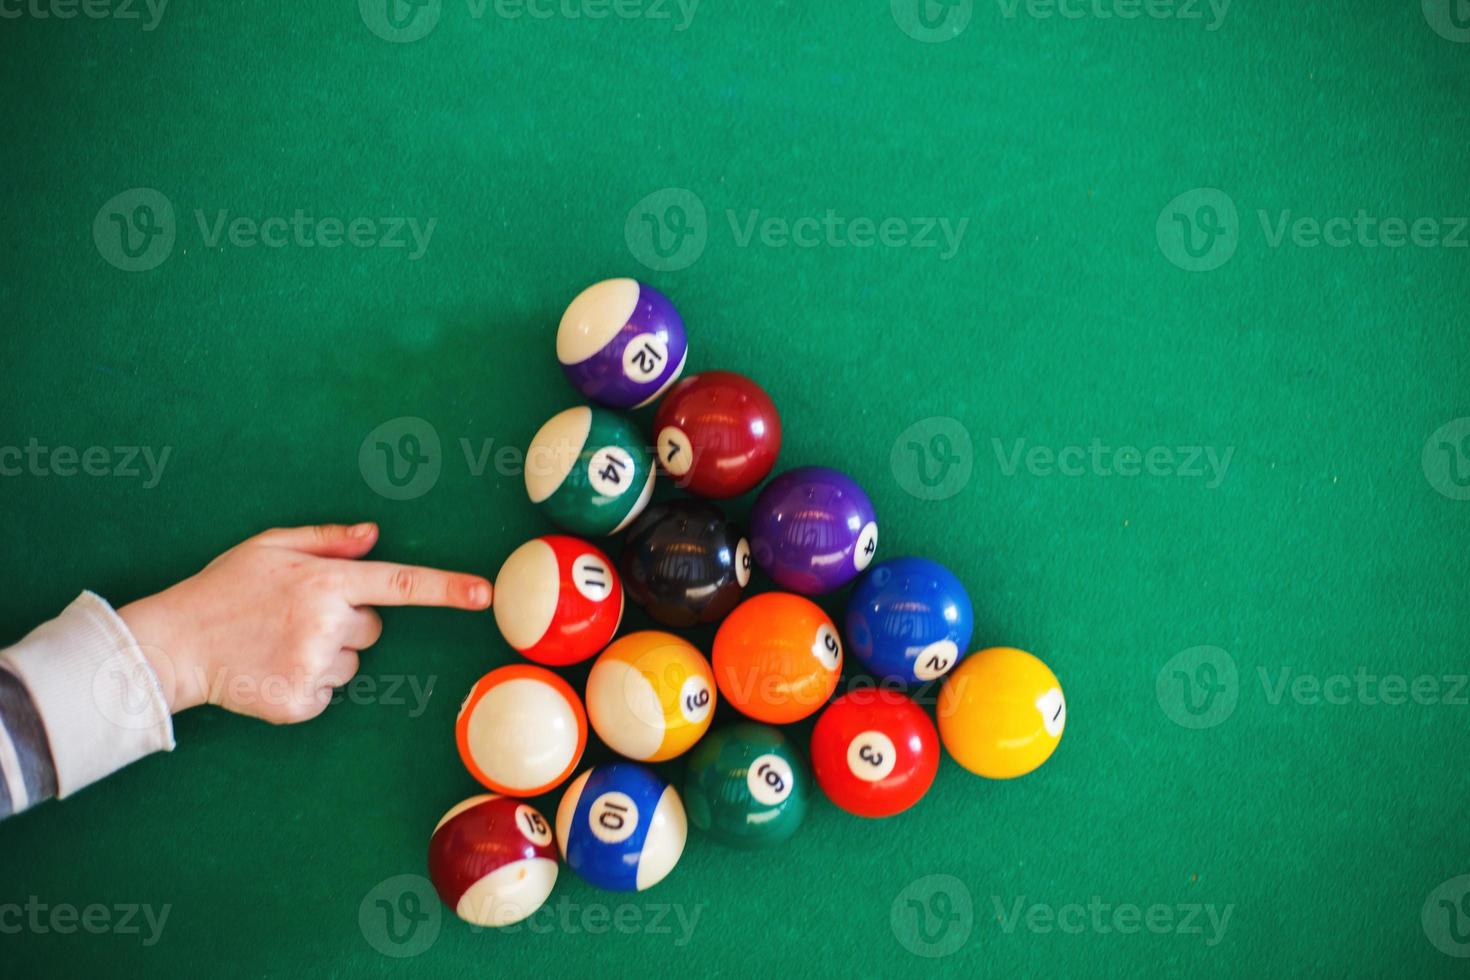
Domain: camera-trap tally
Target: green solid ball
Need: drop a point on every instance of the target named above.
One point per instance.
(589, 469)
(747, 786)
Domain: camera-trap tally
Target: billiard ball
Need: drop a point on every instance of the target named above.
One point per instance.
(521, 730)
(589, 470)
(684, 563)
(777, 658)
(1001, 713)
(909, 620)
(747, 786)
(813, 530)
(650, 696)
(874, 752)
(492, 860)
(621, 343)
(558, 600)
(621, 827)
(717, 434)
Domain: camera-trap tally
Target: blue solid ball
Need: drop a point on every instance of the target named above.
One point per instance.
(910, 620)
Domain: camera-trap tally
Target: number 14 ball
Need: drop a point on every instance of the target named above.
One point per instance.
(621, 343)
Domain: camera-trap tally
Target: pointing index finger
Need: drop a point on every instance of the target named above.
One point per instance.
(382, 583)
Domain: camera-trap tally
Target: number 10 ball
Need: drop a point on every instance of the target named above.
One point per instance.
(621, 343)
(589, 470)
(813, 530)
(621, 827)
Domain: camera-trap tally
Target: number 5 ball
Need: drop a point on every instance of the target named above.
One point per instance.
(813, 530)
(909, 620)
(621, 343)
(650, 696)
(747, 786)
(492, 860)
(588, 469)
(777, 658)
(1001, 713)
(874, 752)
(621, 827)
(559, 600)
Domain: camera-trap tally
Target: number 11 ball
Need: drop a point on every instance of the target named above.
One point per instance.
(747, 786)
(621, 343)
(813, 530)
(589, 470)
(491, 859)
(621, 827)
(559, 600)
(909, 620)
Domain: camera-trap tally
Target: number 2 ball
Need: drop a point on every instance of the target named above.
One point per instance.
(747, 786)
(492, 860)
(874, 752)
(650, 696)
(813, 530)
(685, 563)
(589, 471)
(621, 343)
(621, 827)
(1001, 713)
(909, 620)
(558, 600)
(717, 434)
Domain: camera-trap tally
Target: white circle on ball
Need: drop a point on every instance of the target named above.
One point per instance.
(742, 562)
(611, 471)
(675, 451)
(1053, 708)
(523, 734)
(594, 318)
(645, 358)
(696, 700)
(554, 451)
(526, 592)
(827, 647)
(769, 779)
(613, 817)
(936, 659)
(533, 825)
(867, 546)
(592, 577)
(871, 756)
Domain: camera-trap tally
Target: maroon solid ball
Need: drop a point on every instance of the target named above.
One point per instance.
(718, 434)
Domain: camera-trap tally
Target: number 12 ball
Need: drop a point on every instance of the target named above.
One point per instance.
(909, 620)
(813, 530)
(747, 786)
(874, 752)
(491, 859)
(621, 343)
(589, 470)
(621, 827)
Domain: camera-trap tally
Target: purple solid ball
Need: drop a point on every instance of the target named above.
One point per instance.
(813, 530)
(621, 343)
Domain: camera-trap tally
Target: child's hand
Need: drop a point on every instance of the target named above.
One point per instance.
(272, 625)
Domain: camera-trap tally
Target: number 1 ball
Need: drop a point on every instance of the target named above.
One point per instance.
(874, 752)
(589, 470)
(621, 343)
(777, 658)
(558, 600)
(1001, 713)
(621, 827)
(685, 563)
(747, 786)
(813, 530)
(492, 860)
(521, 731)
(909, 620)
(650, 696)
(718, 434)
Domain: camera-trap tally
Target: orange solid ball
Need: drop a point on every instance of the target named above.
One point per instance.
(777, 658)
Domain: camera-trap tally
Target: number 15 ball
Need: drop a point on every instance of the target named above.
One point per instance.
(621, 343)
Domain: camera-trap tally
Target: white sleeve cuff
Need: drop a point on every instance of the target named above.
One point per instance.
(97, 696)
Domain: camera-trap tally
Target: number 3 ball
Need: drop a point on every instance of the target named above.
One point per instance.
(1001, 713)
(558, 600)
(909, 620)
(589, 470)
(777, 658)
(718, 434)
(521, 731)
(747, 786)
(492, 860)
(685, 563)
(874, 752)
(813, 530)
(621, 827)
(650, 696)
(621, 343)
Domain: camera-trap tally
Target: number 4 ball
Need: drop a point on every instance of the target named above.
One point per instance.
(559, 600)
(874, 752)
(492, 860)
(1001, 713)
(813, 530)
(621, 343)
(621, 827)
(589, 470)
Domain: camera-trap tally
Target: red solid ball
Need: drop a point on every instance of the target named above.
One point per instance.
(717, 434)
(874, 752)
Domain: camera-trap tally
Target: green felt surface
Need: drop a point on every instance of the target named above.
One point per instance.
(1334, 543)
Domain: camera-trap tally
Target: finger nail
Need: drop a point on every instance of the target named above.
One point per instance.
(362, 530)
(480, 594)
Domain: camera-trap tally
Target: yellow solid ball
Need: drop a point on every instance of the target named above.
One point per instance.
(1001, 713)
(650, 696)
